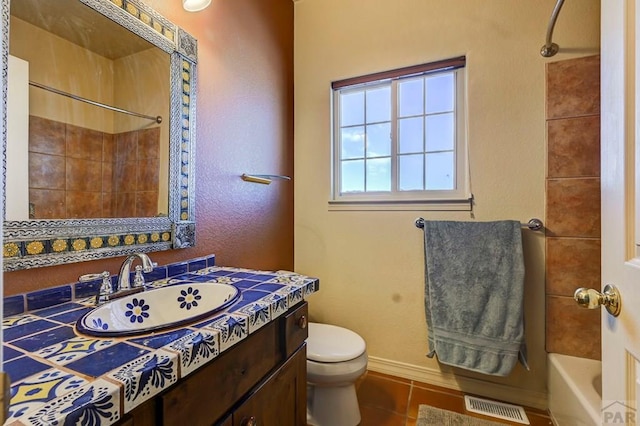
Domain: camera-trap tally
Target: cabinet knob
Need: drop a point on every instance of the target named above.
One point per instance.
(302, 322)
(249, 421)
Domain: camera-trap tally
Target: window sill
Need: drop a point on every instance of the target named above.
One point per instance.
(400, 205)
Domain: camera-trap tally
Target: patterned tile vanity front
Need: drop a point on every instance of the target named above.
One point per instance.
(62, 377)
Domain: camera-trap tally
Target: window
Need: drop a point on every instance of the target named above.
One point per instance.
(399, 137)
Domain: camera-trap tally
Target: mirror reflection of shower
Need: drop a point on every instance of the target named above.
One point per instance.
(90, 140)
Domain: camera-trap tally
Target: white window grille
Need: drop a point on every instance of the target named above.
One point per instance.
(400, 138)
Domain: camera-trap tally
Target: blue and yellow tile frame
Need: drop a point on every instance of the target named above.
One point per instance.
(34, 243)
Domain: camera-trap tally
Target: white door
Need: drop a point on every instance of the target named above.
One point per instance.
(620, 179)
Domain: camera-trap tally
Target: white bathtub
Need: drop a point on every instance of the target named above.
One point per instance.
(575, 390)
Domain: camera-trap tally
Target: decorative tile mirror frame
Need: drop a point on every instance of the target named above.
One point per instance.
(37, 243)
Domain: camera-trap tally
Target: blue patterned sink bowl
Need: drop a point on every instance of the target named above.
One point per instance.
(157, 309)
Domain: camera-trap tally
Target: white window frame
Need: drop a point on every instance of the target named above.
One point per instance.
(459, 198)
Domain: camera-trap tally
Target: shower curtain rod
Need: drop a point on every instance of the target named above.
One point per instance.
(549, 49)
(157, 119)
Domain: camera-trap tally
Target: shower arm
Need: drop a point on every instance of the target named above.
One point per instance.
(550, 48)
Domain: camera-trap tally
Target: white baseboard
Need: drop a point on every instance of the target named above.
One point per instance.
(529, 398)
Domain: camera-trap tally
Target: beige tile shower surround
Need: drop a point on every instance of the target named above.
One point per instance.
(573, 204)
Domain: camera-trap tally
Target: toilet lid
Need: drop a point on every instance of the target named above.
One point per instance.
(329, 343)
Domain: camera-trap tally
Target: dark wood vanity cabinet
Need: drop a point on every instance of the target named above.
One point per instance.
(280, 400)
(261, 381)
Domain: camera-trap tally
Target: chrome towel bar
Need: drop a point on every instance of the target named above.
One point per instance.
(263, 179)
(533, 224)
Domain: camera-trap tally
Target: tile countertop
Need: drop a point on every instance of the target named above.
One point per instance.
(59, 376)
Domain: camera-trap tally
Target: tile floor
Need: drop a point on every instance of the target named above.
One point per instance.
(393, 401)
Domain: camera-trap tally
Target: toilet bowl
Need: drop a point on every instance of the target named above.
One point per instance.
(336, 358)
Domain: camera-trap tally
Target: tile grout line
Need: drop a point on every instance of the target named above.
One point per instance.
(406, 414)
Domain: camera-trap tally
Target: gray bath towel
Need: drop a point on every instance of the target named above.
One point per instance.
(474, 273)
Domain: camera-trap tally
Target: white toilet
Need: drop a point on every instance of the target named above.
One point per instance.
(336, 358)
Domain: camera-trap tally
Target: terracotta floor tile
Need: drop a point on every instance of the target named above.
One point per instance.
(438, 388)
(391, 401)
(452, 392)
(376, 417)
(539, 419)
(383, 393)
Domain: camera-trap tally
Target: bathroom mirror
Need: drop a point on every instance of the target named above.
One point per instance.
(99, 113)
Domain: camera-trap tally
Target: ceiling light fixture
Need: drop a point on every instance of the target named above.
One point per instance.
(195, 5)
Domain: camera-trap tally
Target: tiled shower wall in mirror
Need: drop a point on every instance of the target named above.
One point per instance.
(76, 172)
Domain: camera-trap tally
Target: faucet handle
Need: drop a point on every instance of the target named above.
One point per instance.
(138, 280)
(105, 287)
(146, 268)
(106, 277)
(147, 263)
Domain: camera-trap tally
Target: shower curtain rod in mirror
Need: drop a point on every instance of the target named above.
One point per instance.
(157, 119)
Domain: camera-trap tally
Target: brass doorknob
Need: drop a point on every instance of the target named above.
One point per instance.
(592, 299)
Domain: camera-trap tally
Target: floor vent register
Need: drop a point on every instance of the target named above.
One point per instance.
(499, 410)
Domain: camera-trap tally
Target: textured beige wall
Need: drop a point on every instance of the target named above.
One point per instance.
(370, 264)
(142, 85)
(58, 63)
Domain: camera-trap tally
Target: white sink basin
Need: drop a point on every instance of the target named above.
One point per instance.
(156, 309)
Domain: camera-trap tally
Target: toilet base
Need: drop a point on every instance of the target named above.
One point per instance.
(332, 406)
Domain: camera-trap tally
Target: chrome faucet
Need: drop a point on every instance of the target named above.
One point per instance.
(124, 279)
(108, 291)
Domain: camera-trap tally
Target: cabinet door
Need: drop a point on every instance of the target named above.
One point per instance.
(210, 392)
(281, 400)
(295, 328)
